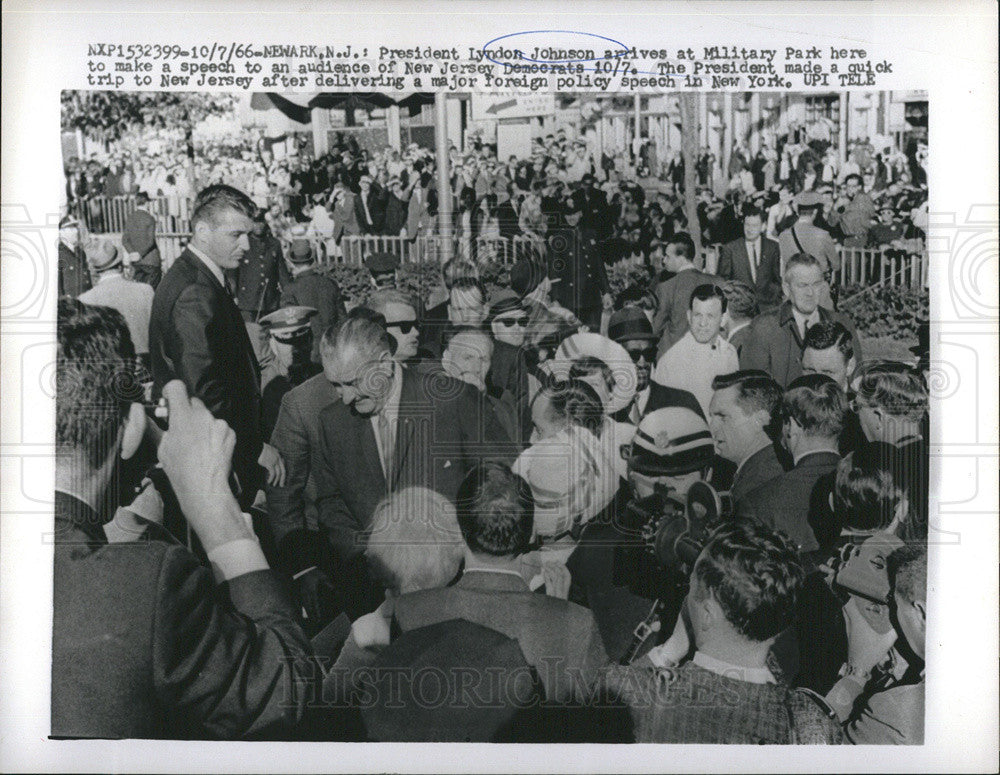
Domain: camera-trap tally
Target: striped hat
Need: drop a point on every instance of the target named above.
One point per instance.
(617, 359)
(670, 442)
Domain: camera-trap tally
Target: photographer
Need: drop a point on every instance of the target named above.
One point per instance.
(888, 709)
(143, 645)
(742, 596)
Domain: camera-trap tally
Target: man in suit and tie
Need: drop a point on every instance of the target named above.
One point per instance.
(673, 297)
(776, 339)
(754, 260)
(197, 334)
(741, 417)
(812, 410)
(392, 428)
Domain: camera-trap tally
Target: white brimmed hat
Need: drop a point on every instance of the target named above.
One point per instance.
(612, 354)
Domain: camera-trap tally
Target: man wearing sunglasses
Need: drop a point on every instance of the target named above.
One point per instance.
(508, 375)
(400, 313)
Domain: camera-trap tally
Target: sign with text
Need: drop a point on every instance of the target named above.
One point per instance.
(487, 106)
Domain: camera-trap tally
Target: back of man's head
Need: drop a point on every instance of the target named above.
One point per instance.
(496, 511)
(741, 300)
(907, 567)
(214, 200)
(830, 333)
(893, 387)
(95, 381)
(754, 574)
(816, 404)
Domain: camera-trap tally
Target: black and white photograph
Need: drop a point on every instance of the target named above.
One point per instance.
(454, 387)
(389, 419)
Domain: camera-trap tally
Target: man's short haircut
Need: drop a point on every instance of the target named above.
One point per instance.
(364, 333)
(414, 541)
(496, 511)
(752, 212)
(758, 391)
(686, 243)
(755, 576)
(894, 387)
(817, 404)
(451, 331)
(907, 568)
(95, 378)
(214, 200)
(741, 299)
(830, 333)
(142, 198)
(380, 300)
(801, 259)
(854, 176)
(707, 291)
(868, 487)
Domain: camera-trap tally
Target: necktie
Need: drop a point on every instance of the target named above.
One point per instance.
(753, 261)
(386, 442)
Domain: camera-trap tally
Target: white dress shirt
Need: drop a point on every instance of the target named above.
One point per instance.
(690, 365)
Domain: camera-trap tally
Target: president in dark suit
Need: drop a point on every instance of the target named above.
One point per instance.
(813, 409)
(197, 334)
(754, 260)
(392, 428)
(147, 641)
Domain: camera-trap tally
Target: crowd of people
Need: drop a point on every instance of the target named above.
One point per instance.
(272, 501)
(876, 198)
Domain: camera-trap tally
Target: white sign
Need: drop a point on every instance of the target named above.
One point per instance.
(487, 106)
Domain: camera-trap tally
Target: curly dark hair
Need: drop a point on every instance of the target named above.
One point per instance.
(754, 574)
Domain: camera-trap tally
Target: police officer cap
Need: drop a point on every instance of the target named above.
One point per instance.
(289, 324)
(808, 199)
(670, 442)
(300, 252)
(382, 263)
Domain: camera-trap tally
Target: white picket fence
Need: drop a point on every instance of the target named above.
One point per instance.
(859, 266)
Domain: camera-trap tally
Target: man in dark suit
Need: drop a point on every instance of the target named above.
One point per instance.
(392, 428)
(673, 297)
(560, 639)
(574, 261)
(754, 260)
(74, 277)
(197, 335)
(139, 237)
(741, 416)
(146, 643)
(369, 206)
(261, 275)
(777, 337)
(813, 410)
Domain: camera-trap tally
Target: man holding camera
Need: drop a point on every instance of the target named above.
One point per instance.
(143, 644)
(892, 711)
(742, 596)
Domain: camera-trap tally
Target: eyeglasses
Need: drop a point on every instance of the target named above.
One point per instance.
(521, 320)
(649, 353)
(404, 326)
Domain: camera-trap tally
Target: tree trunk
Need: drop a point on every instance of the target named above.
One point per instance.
(689, 151)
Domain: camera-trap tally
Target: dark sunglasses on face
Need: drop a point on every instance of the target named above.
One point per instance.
(649, 353)
(404, 326)
(521, 320)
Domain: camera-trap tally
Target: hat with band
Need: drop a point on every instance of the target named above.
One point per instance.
(289, 325)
